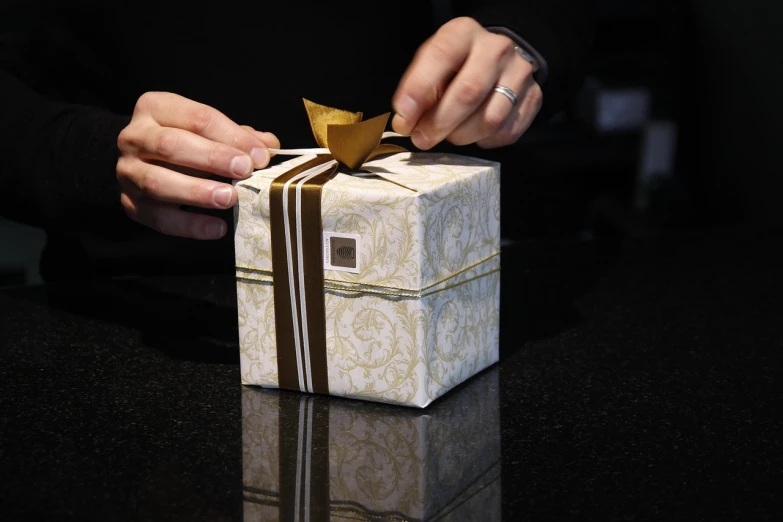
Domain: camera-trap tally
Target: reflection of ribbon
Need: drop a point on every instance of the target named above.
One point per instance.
(295, 220)
(304, 460)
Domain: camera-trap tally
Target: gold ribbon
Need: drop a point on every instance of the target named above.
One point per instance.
(296, 227)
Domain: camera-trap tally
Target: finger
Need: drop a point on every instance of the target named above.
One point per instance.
(490, 56)
(183, 148)
(170, 220)
(520, 121)
(183, 170)
(436, 62)
(173, 110)
(162, 184)
(269, 139)
(494, 113)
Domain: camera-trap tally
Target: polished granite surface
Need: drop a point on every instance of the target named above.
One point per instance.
(638, 381)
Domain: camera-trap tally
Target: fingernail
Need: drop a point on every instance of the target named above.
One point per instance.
(240, 165)
(260, 157)
(222, 196)
(215, 230)
(407, 107)
(420, 139)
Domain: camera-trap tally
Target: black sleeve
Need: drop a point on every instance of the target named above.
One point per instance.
(58, 160)
(57, 156)
(560, 30)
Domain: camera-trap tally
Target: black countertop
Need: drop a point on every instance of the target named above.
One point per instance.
(637, 381)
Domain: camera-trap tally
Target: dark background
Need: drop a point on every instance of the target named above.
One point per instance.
(710, 71)
(703, 73)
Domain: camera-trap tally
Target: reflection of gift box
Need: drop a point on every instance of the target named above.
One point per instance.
(410, 288)
(314, 458)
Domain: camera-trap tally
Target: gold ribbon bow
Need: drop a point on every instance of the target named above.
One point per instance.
(296, 230)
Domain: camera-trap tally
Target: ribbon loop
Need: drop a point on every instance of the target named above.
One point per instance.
(351, 145)
(321, 117)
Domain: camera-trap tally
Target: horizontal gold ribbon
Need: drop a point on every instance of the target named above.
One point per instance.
(366, 291)
(412, 291)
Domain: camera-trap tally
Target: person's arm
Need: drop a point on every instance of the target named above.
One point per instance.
(71, 167)
(65, 165)
(559, 32)
(469, 84)
(57, 160)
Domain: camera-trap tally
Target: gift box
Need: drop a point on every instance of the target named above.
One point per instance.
(372, 274)
(310, 457)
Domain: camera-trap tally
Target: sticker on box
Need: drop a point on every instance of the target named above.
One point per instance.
(341, 252)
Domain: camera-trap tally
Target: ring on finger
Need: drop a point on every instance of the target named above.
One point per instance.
(508, 93)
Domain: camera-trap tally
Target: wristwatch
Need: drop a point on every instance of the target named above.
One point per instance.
(527, 51)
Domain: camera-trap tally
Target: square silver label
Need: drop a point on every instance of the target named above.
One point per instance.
(341, 252)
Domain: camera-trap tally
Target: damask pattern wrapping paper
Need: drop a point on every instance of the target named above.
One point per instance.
(420, 315)
(376, 462)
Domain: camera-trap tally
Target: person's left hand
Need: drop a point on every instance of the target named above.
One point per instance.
(448, 93)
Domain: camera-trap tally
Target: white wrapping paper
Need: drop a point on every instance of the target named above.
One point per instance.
(420, 315)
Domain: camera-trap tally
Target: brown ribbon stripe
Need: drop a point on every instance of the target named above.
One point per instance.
(299, 290)
(289, 332)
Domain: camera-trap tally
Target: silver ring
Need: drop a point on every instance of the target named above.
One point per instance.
(508, 93)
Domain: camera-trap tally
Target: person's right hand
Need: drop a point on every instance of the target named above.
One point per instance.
(168, 148)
